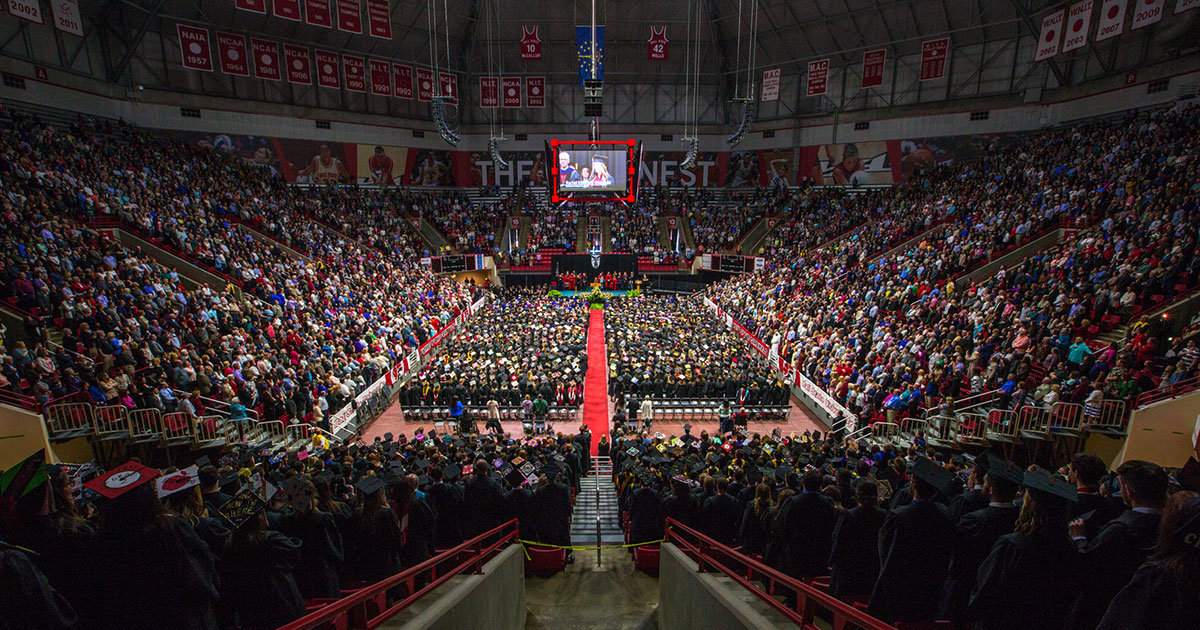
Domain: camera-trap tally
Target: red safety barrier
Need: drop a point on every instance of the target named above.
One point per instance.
(1165, 392)
(711, 555)
(363, 609)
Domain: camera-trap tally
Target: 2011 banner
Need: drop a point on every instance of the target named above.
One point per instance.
(66, 17)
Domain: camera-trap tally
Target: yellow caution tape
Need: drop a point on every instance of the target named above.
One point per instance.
(588, 548)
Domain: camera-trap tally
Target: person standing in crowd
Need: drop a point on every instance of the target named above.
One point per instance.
(483, 501)
(807, 521)
(977, 531)
(857, 529)
(721, 514)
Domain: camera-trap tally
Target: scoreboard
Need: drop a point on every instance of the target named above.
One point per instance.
(732, 264)
(456, 263)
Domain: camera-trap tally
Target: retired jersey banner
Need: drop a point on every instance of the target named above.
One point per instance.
(1112, 20)
(381, 78)
(379, 19)
(299, 67)
(254, 6)
(317, 13)
(872, 69)
(657, 46)
(266, 58)
(933, 58)
(1079, 22)
(511, 89)
(531, 45)
(195, 47)
(402, 81)
(818, 77)
(287, 9)
(349, 16)
(66, 16)
(231, 49)
(535, 91)
(1184, 5)
(489, 91)
(26, 9)
(1147, 12)
(448, 82)
(355, 69)
(1047, 45)
(770, 84)
(424, 84)
(327, 69)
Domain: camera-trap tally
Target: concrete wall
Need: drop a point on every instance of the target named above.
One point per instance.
(1015, 256)
(187, 269)
(688, 600)
(1162, 432)
(494, 600)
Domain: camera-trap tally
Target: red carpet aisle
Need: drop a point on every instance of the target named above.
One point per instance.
(595, 385)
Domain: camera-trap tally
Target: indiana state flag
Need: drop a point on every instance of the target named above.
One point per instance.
(591, 63)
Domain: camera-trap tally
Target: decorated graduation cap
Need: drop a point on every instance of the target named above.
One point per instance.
(931, 473)
(23, 478)
(298, 493)
(1046, 484)
(244, 506)
(121, 479)
(177, 481)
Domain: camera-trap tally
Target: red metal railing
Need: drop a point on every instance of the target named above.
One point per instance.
(363, 609)
(748, 572)
(1163, 392)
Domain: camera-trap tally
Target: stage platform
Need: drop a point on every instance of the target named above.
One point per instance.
(614, 292)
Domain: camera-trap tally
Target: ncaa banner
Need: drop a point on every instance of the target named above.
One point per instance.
(327, 68)
(349, 16)
(511, 90)
(818, 77)
(424, 85)
(381, 78)
(195, 47)
(299, 67)
(266, 59)
(872, 68)
(1079, 22)
(402, 81)
(1147, 12)
(355, 69)
(535, 91)
(489, 91)
(1051, 33)
(231, 49)
(253, 6)
(66, 16)
(317, 13)
(287, 9)
(531, 44)
(1112, 20)
(448, 82)
(379, 19)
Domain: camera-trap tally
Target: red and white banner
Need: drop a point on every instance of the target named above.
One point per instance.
(770, 84)
(424, 84)
(535, 91)
(381, 78)
(266, 58)
(1047, 44)
(1079, 22)
(349, 16)
(254, 6)
(657, 47)
(402, 81)
(1184, 5)
(448, 82)
(531, 45)
(511, 90)
(872, 69)
(231, 49)
(933, 58)
(1112, 20)
(327, 68)
(299, 66)
(1147, 12)
(489, 91)
(195, 47)
(66, 16)
(26, 9)
(379, 19)
(355, 69)
(287, 9)
(317, 13)
(818, 77)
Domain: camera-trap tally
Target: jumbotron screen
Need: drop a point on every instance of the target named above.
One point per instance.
(593, 171)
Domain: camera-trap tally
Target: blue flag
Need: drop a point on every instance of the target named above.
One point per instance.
(591, 66)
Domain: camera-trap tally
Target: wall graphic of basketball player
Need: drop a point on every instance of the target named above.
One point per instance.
(381, 168)
(324, 168)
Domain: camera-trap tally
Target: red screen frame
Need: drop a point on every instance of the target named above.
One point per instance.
(630, 165)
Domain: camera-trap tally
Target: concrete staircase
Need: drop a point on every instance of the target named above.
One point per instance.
(597, 500)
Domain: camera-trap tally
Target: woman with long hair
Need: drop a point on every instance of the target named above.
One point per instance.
(316, 573)
(260, 580)
(756, 521)
(374, 538)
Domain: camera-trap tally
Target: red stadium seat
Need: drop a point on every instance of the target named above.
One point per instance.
(645, 559)
(543, 562)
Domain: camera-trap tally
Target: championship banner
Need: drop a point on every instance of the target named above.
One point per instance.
(402, 81)
(195, 47)
(511, 87)
(381, 78)
(1184, 5)
(266, 58)
(66, 16)
(299, 67)
(424, 85)
(657, 46)
(535, 91)
(448, 82)
(531, 44)
(933, 58)
(1079, 22)
(287, 9)
(327, 68)
(872, 68)
(1147, 12)
(770, 84)
(26, 9)
(317, 13)
(1047, 45)
(349, 16)
(253, 6)
(489, 91)
(1112, 20)
(355, 69)
(379, 18)
(818, 77)
(231, 49)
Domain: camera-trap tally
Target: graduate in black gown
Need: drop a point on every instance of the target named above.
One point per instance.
(416, 521)
(483, 501)
(1029, 577)
(446, 501)
(807, 521)
(754, 531)
(974, 498)
(681, 505)
(721, 514)
(374, 541)
(855, 572)
(645, 510)
(316, 573)
(552, 507)
(259, 578)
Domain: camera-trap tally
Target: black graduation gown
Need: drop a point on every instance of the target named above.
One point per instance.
(483, 504)
(914, 557)
(418, 535)
(518, 504)
(855, 567)
(722, 517)
(552, 514)
(807, 521)
(316, 572)
(966, 503)
(27, 598)
(372, 546)
(446, 502)
(1110, 560)
(1026, 582)
(645, 516)
(974, 537)
(683, 509)
(260, 582)
(1154, 599)
(754, 531)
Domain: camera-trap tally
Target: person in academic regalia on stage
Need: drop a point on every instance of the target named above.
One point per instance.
(914, 551)
(854, 572)
(316, 573)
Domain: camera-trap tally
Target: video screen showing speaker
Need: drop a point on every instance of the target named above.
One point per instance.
(593, 171)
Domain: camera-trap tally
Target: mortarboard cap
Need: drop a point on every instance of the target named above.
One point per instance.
(298, 493)
(1047, 484)
(242, 507)
(451, 472)
(177, 481)
(422, 464)
(1005, 470)
(121, 479)
(931, 473)
(370, 485)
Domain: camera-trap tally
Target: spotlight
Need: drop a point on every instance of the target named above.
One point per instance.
(693, 148)
(493, 148)
(749, 109)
